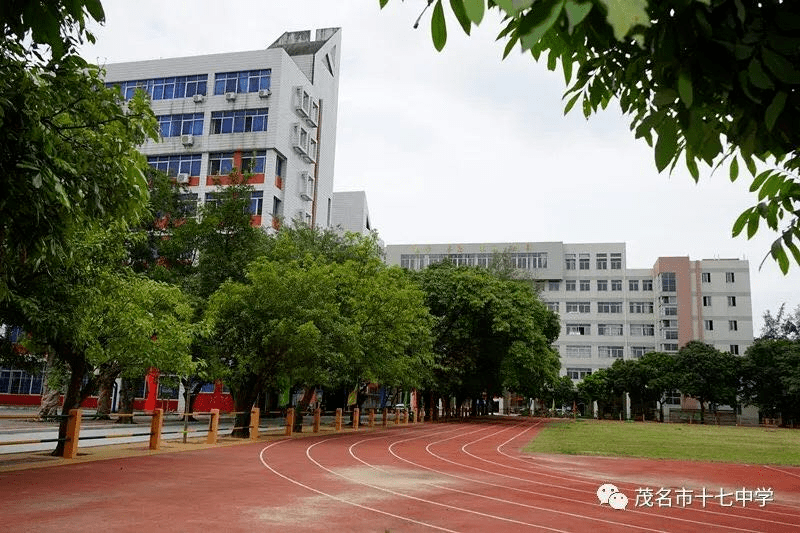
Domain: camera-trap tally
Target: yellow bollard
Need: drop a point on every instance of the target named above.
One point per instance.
(289, 421)
(356, 415)
(255, 420)
(337, 425)
(155, 428)
(317, 414)
(73, 433)
(213, 427)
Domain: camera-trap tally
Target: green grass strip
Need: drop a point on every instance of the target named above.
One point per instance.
(670, 441)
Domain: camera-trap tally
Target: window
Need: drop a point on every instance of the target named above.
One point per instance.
(610, 352)
(187, 204)
(669, 310)
(246, 81)
(602, 261)
(578, 329)
(706, 301)
(647, 284)
(580, 352)
(220, 163)
(668, 282)
(570, 284)
(241, 121)
(734, 349)
(639, 351)
(669, 323)
(554, 285)
(708, 325)
(633, 284)
(578, 373)
(640, 307)
(730, 277)
(256, 202)
(602, 284)
(671, 334)
(529, 261)
(578, 307)
(583, 261)
(585, 285)
(616, 261)
(609, 307)
(177, 125)
(570, 261)
(610, 330)
(171, 165)
(643, 330)
(280, 166)
(164, 88)
(731, 301)
(673, 398)
(254, 162)
(616, 284)
(733, 325)
(13, 381)
(669, 347)
(706, 277)
(277, 207)
(553, 306)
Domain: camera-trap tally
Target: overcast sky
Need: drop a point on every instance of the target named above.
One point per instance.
(460, 146)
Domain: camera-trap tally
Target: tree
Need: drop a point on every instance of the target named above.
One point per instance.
(68, 156)
(771, 377)
(707, 80)
(92, 313)
(781, 326)
(318, 321)
(597, 387)
(659, 369)
(708, 375)
(490, 333)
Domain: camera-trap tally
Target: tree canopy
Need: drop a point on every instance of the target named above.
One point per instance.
(490, 334)
(709, 81)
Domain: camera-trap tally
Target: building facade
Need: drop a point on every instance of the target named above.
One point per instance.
(270, 113)
(609, 311)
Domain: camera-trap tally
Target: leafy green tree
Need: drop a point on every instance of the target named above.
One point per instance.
(702, 80)
(93, 313)
(771, 377)
(598, 387)
(68, 155)
(490, 333)
(560, 392)
(317, 320)
(661, 380)
(707, 374)
(781, 326)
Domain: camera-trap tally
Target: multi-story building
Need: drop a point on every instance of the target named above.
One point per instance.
(609, 311)
(350, 212)
(270, 113)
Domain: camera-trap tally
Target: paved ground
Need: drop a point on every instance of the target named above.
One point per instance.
(428, 477)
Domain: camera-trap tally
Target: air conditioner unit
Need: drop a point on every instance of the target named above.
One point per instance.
(199, 98)
(230, 97)
(187, 140)
(182, 177)
(306, 186)
(263, 93)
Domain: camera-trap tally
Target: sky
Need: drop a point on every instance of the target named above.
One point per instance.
(462, 146)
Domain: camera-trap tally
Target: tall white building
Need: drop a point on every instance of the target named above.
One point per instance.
(271, 112)
(609, 311)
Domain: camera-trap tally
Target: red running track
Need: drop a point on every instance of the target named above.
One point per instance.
(462, 477)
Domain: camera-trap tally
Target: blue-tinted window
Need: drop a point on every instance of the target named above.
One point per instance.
(244, 120)
(245, 81)
(254, 162)
(256, 202)
(173, 164)
(176, 125)
(165, 88)
(220, 163)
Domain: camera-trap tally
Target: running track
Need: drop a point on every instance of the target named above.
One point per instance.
(463, 477)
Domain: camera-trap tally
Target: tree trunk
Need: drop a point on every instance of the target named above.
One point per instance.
(299, 412)
(51, 391)
(108, 374)
(702, 411)
(191, 388)
(126, 396)
(72, 397)
(243, 404)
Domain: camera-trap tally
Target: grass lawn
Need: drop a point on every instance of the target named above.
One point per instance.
(670, 441)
